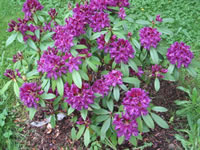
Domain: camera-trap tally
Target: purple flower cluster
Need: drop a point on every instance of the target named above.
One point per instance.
(180, 54)
(158, 18)
(52, 64)
(138, 74)
(122, 13)
(12, 74)
(113, 78)
(125, 126)
(136, 102)
(86, 122)
(101, 83)
(79, 98)
(149, 37)
(30, 93)
(121, 51)
(73, 62)
(52, 13)
(157, 70)
(30, 7)
(17, 57)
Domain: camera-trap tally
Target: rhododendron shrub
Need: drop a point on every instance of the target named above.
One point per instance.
(90, 61)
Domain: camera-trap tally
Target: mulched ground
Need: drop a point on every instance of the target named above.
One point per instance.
(45, 138)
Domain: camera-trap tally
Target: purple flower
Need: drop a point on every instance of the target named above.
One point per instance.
(138, 74)
(13, 25)
(86, 122)
(99, 21)
(52, 64)
(101, 83)
(73, 62)
(63, 40)
(157, 70)
(129, 35)
(12, 74)
(149, 37)
(122, 13)
(180, 54)
(30, 7)
(121, 51)
(158, 18)
(113, 78)
(98, 4)
(79, 98)
(52, 13)
(136, 102)
(30, 93)
(125, 126)
(17, 57)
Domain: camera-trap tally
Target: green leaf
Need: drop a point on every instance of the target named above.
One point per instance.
(192, 71)
(92, 66)
(48, 96)
(95, 106)
(102, 118)
(119, 35)
(53, 121)
(162, 123)
(171, 68)
(157, 84)
(116, 93)
(170, 20)
(73, 133)
(32, 44)
(148, 120)
(98, 34)
(47, 36)
(101, 112)
(11, 38)
(42, 103)
(107, 37)
(133, 141)
(154, 56)
(165, 31)
(80, 132)
(125, 69)
(16, 89)
(5, 87)
(32, 112)
(20, 37)
(121, 140)
(169, 77)
(87, 137)
(79, 47)
(84, 75)
(132, 80)
(70, 110)
(143, 22)
(37, 33)
(41, 19)
(104, 128)
(84, 113)
(136, 43)
(110, 104)
(77, 78)
(140, 124)
(123, 87)
(107, 59)
(159, 109)
(133, 65)
(60, 86)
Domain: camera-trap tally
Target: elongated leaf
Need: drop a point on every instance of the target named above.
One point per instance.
(32, 112)
(159, 109)
(98, 34)
(165, 31)
(47, 36)
(192, 71)
(5, 87)
(123, 87)
(48, 96)
(136, 43)
(143, 22)
(16, 89)
(157, 84)
(110, 104)
(37, 33)
(148, 120)
(116, 93)
(84, 113)
(79, 47)
(133, 140)
(73, 133)
(60, 86)
(107, 37)
(70, 110)
(162, 123)
(84, 75)
(77, 79)
(92, 66)
(20, 38)
(104, 128)
(121, 140)
(87, 137)
(11, 39)
(133, 65)
(32, 44)
(80, 132)
(53, 121)
(102, 118)
(101, 112)
(154, 56)
(132, 80)
(140, 124)
(125, 69)
(171, 68)
(170, 20)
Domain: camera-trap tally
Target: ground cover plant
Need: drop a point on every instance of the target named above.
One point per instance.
(66, 59)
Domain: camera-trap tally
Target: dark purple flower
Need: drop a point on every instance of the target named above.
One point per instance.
(125, 126)
(98, 4)
(122, 13)
(101, 83)
(13, 25)
(30, 7)
(158, 18)
(129, 35)
(86, 122)
(30, 93)
(136, 102)
(52, 13)
(73, 62)
(79, 98)
(17, 57)
(99, 21)
(52, 64)
(121, 51)
(10, 74)
(149, 37)
(157, 70)
(113, 78)
(138, 74)
(180, 54)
